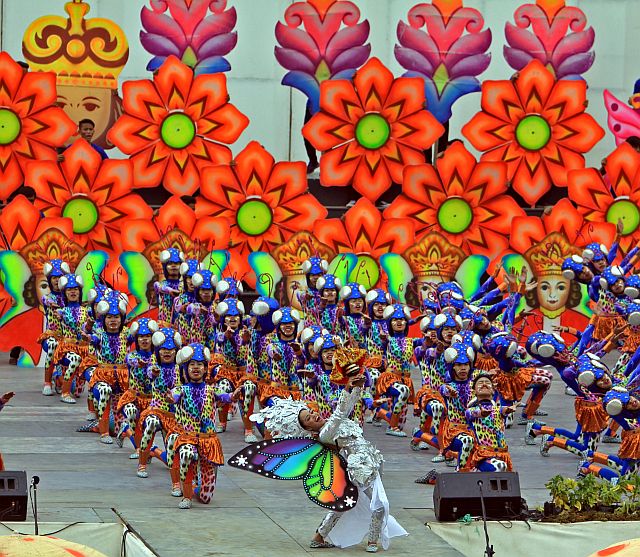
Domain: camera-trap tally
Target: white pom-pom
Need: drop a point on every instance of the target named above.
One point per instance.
(306, 267)
(318, 344)
(546, 350)
(345, 292)
(586, 378)
(47, 268)
(65, 267)
(324, 265)
(177, 339)
(614, 407)
(240, 307)
(450, 355)
(222, 308)
(134, 328)
(79, 280)
(164, 256)
(207, 354)
(197, 280)
(276, 317)
(388, 312)
(511, 350)
(320, 283)
(153, 326)
(296, 315)
(439, 320)
(102, 307)
(158, 338)
(184, 268)
(260, 308)
(63, 282)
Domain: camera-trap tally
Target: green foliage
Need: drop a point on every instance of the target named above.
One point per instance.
(589, 493)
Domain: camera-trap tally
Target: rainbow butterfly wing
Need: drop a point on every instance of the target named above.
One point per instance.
(322, 470)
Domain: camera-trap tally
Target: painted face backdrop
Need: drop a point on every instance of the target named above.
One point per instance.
(459, 212)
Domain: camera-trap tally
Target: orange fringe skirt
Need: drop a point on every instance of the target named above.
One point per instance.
(110, 374)
(630, 446)
(65, 345)
(481, 453)
(388, 378)
(208, 444)
(605, 324)
(512, 386)
(449, 431)
(270, 390)
(425, 394)
(590, 415)
(142, 401)
(631, 343)
(485, 362)
(48, 334)
(167, 421)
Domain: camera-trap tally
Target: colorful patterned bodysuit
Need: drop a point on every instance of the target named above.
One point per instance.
(166, 299)
(490, 453)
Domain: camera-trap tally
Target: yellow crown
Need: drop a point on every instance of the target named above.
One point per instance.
(81, 52)
(301, 246)
(175, 238)
(547, 256)
(52, 244)
(434, 257)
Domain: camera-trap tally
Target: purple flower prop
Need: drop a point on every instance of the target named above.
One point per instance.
(446, 58)
(198, 32)
(558, 38)
(314, 47)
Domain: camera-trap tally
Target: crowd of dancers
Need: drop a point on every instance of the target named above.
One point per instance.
(204, 358)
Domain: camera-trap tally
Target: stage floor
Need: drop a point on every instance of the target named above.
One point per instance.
(83, 480)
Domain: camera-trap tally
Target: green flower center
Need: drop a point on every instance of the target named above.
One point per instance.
(178, 130)
(627, 212)
(533, 132)
(455, 215)
(82, 212)
(10, 126)
(367, 272)
(372, 131)
(254, 217)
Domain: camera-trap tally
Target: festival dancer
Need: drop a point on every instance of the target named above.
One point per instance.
(159, 415)
(53, 271)
(285, 356)
(201, 314)
(454, 435)
(355, 323)
(110, 341)
(314, 376)
(137, 397)
(485, 418)
(71, 348)
(313, 268)
(168, 289)
(623, 405)
(329, 288)
(232, 352)
(197, 445)
(180, 304)
(288, 418)
(514, 376)
(377, 335)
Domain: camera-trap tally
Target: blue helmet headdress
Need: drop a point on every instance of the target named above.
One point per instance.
(262, 309)
(572, 267)
(229, 287)
(589, 369)
(397, 311)
(376, 296)
(170, 255)
(595, 252)
(166, 338)
(55, 268)
(632, 286)
(314, 266)
(352, 291)
(230, 307)
(143, 326)
(615, 400)
(329, 282)
(326, 342)
(196, 352)
(610, 276)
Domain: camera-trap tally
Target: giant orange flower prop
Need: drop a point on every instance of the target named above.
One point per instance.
(363, 230)
(207, 232)
(565, 219)
(614, 197)
(175, 125)
(537, 126)
(31, 126)
(94, 194)
(265, 202)
(370, 129)
(461, 199)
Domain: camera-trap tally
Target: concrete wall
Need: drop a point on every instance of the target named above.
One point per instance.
(276, 111)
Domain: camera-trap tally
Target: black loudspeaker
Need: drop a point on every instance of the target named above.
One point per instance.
(13, 496)
(457, 494)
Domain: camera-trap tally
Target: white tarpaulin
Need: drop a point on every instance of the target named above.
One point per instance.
(105, 537)
(515, 539)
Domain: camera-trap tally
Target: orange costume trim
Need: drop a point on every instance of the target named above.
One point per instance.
(605, 324)
(590, 415)
(485, 362)
(631, 343)
(48, 334)
(208, 445)
(272, 389)
(167, 421)
(630, 446)
(481, 453)
(65, 345)
(388, 378)
(425, 394)
(513, 385)
(110, 374)
(141, 400)
(449, 431)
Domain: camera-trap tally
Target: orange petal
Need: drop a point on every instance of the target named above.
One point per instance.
(406, 97)
(338, 98)
(338, 166)
(487, 132)
(220, 190)
(173, 82)
(500, 100)
(140, 99)
(224, 125)
(525, 232)
(567, 99)
(208, 93)
(325, 132)
(531, 182)
(579, 133)
(373, 82)
(534, 85)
